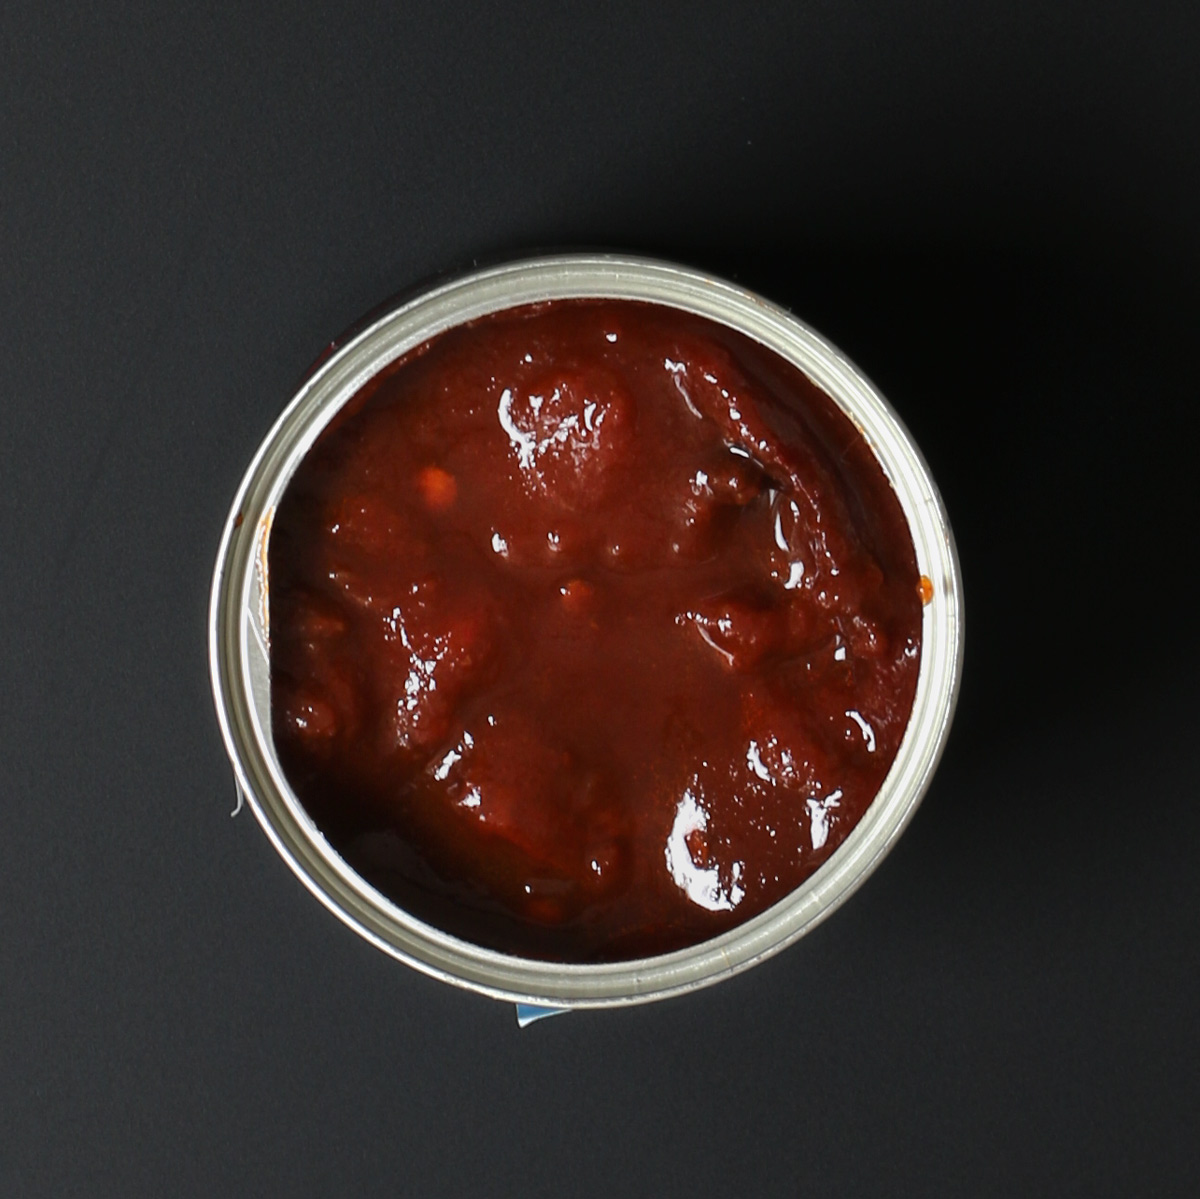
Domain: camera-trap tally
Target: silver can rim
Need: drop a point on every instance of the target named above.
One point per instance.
(239, 632)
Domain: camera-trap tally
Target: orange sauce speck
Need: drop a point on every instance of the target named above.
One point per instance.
(438, 488)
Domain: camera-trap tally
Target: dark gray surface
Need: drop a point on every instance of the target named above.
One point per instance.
(991, 207)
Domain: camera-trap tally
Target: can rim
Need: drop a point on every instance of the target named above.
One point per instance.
(239, 614)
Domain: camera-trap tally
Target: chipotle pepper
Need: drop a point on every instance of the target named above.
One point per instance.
(595, 628)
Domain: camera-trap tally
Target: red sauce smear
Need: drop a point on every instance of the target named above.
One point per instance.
(595, 628)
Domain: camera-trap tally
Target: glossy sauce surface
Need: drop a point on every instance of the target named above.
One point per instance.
(595, 627)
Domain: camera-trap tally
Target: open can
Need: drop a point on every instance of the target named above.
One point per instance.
(239, 630)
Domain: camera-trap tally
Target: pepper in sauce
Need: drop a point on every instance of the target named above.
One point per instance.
(595, 628)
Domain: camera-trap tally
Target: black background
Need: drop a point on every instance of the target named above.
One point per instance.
(991, 207)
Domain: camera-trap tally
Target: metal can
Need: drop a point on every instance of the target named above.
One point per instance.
(239, 632)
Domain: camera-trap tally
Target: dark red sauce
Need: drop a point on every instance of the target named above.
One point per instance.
(595, 628)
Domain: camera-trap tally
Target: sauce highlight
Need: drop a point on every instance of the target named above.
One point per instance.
(595, 628)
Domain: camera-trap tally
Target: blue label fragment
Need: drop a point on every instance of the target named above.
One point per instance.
(527, 1013)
